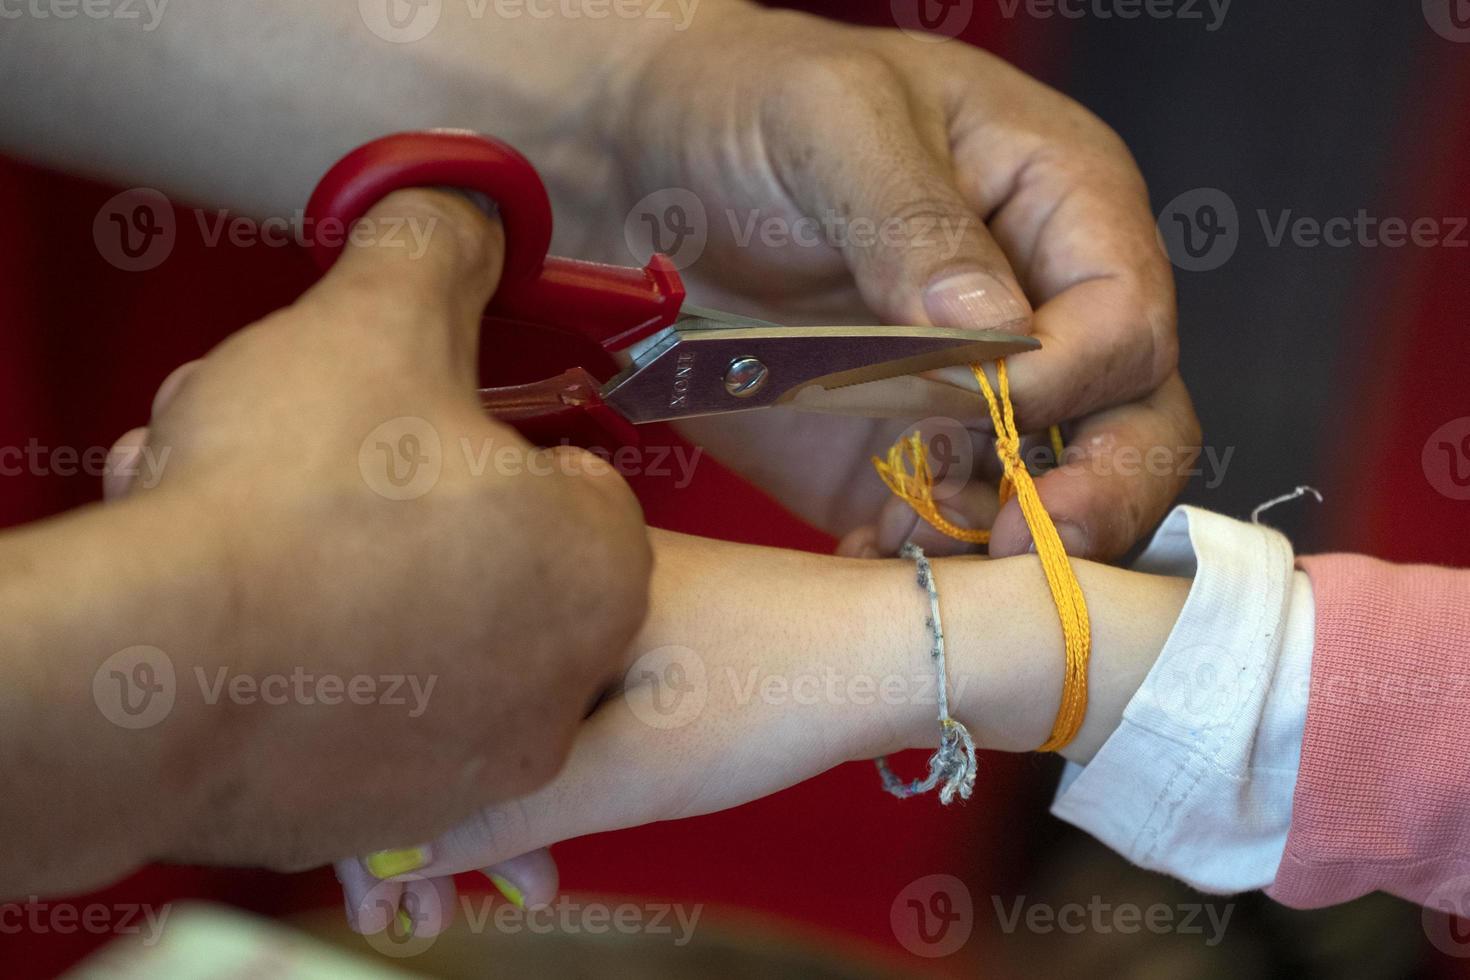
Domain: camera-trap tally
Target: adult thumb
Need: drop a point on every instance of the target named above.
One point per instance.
(432, 255)
(916, 248)
(937, 263)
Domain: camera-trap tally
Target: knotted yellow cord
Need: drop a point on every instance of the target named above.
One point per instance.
(916, 486)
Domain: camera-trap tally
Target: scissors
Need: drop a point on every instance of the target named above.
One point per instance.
(677, 361)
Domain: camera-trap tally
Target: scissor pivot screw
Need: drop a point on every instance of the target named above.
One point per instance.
(745, 376)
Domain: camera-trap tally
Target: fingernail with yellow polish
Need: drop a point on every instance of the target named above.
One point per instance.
(512, 894)
(405, 923)
(387, 864)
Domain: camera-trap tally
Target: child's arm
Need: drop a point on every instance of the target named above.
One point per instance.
(758, 668)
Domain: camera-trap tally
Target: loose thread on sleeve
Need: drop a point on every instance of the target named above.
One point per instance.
(906, 472)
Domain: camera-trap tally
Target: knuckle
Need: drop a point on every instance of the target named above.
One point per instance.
(1145, 347)
(579, 464)
(1107, 142)
(1083, 126)
(495, 828)
(1074, 148)
(1161, 321)
(838, 73)
(1194, 434)
(609, 500)
(1173, 399)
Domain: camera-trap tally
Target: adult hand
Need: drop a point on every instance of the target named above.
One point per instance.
(370, 521)
(847, 172)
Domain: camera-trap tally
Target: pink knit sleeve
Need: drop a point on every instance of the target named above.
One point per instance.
(1382, 800)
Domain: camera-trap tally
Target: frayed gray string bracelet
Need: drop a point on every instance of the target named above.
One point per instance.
(952, 766)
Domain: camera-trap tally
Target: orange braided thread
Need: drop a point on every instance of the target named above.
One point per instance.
(906, 472)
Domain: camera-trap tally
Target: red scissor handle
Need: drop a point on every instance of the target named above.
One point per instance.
(611, 305)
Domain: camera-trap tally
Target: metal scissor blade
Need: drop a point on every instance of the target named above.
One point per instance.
(708, 367)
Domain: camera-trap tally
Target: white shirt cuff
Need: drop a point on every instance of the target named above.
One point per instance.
(1197, 781)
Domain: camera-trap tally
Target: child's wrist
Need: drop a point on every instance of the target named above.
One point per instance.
(1005, 650)
(1003, 660)
(1006, 657)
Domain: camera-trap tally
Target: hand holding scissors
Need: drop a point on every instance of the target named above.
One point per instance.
(677, 361)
